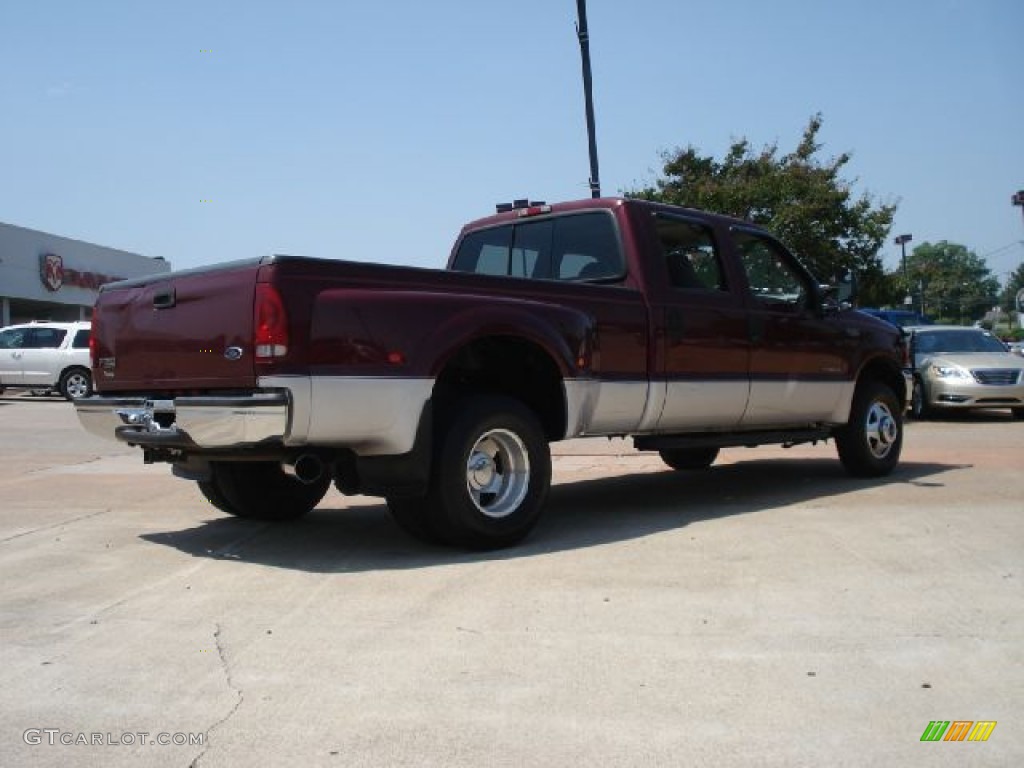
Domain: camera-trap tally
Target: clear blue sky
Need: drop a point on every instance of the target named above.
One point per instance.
(205, 131)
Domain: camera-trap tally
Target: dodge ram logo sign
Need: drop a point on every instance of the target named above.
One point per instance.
(55, 275)
(51, 271)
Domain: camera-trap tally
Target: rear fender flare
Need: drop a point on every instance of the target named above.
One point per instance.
(563, 334)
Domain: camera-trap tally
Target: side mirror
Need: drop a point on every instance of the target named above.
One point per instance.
(846, 287)
(842, 293)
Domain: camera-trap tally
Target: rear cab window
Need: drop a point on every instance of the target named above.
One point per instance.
(580, 247)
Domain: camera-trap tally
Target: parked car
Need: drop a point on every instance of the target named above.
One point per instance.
(901, 318)
(46, 356)
(956, 368)
(1017, 348)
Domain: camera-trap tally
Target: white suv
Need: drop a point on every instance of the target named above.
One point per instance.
(46, 356)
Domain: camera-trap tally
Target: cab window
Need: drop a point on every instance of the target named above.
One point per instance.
(690, 255)
(485, 252)
(586, 247)
(531, 249)
(774, 280)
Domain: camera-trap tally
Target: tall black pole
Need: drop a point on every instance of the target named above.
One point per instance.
(901, 241)
(588, 92)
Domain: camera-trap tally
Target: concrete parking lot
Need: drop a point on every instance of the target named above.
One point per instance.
(770, 611)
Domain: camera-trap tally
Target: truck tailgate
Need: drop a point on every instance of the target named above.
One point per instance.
(188, 331)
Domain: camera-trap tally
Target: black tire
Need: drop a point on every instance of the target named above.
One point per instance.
(260, 490)
(689, 458)
(919, 408)
(75, 383)
(870, 443)
(490, 475)
(414, 516)
(1017, 413)
(212, 493)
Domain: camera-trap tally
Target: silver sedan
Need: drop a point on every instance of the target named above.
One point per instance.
(957, 368)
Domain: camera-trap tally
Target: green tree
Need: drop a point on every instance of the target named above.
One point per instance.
(951, 282)
(1008, 298)
(801, 199)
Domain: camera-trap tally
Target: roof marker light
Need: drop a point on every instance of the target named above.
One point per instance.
(534, 210)
(522, 205)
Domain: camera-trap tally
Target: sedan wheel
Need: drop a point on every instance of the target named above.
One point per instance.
(919, 408)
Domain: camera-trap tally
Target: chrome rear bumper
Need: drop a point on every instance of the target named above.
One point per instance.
(203, 422)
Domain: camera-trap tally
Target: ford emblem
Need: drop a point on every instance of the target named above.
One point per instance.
(233, 353)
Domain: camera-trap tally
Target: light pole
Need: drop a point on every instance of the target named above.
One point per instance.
(901, 241)
(1018, 199)
(588, 94)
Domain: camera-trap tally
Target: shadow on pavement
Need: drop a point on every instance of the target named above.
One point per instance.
(579, 514)
(965, 416)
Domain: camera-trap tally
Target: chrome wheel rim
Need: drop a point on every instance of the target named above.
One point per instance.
(882, 430)
(498, 473)
(77, 385)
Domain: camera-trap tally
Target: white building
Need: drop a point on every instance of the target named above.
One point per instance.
(48, 277)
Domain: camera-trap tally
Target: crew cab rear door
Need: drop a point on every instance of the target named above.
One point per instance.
(703, 348)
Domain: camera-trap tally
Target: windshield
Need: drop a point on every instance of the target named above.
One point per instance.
(928, 342)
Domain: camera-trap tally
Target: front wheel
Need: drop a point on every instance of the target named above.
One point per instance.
(260, 490)
(870, 443)
(490, 476)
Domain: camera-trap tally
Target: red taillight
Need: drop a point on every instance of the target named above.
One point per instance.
(270, 321)
(94, 332)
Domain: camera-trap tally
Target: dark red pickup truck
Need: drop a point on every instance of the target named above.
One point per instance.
(265, 380)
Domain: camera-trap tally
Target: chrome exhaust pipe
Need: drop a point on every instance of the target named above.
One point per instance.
(307, 468)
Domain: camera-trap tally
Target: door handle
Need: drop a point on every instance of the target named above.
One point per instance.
(164, 300)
